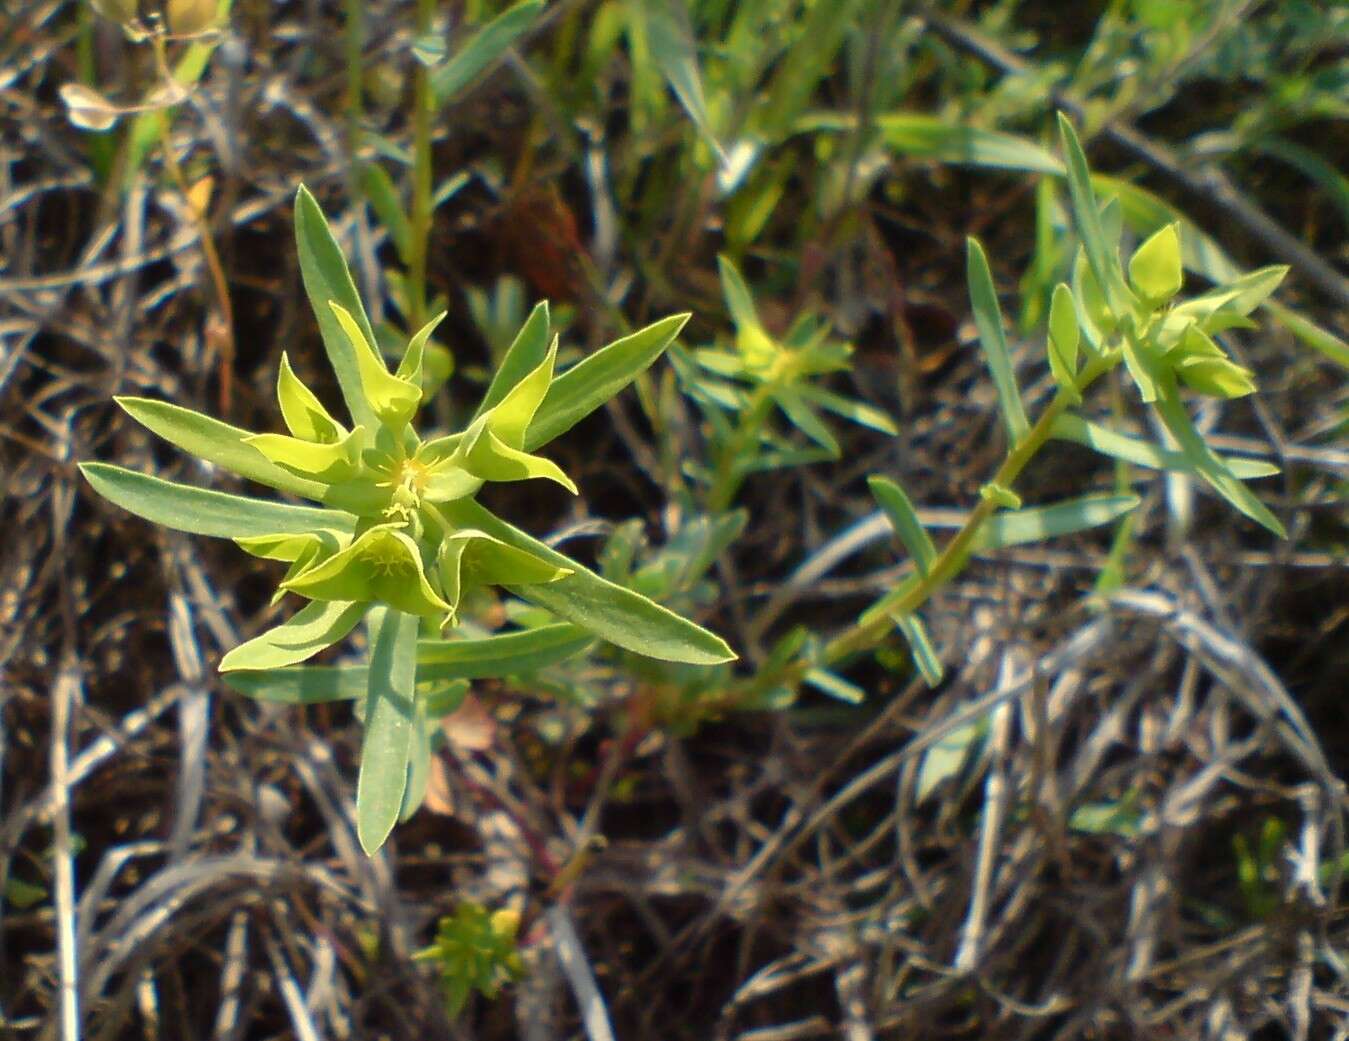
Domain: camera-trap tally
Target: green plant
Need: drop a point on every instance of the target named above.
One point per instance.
(400, 540)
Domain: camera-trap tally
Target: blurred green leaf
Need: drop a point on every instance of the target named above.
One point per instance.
(988, 319)
(481, 49)
(1040, 523)
(315, 626)
(904, 519)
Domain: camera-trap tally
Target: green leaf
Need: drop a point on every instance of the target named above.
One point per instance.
(904, 519)
(929, 137)
(590, 383)
(304, 414)
(609, 611)
(924, 654)
(410, 366)
(1039, 523)
(328, 281)
(988, 319)
(1144, 453)
(505, 655)
(1064, 338)
(1240, 296)
(203, 512)
(1155, 269)
(857, 411)
(392, 399)
(673, 50)
(380, 192)
(492, 562)
(525, 354)
(483, 48)
(486, 456)
(327, 464)
(440, 662)
(382, 565)
(947, 757)
(806, 419)
(390, 725)
(509, 419)
(1101, 254)
(216, 442)
(739, 300)
(835, 686)
(310, 630)
(1207, 464)
(419, 760)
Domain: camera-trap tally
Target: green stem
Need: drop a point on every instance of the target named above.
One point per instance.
(355, 41)
(420, 217)
(876, 623)
(726, 480)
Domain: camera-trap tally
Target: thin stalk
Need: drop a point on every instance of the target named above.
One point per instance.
(726, 481)
(355, 46)
(877, 622)
(423, 103)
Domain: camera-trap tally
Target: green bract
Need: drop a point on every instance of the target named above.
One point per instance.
(398, 540)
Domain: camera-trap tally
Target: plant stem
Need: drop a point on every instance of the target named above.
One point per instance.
(726, 481)
(878, 620)
(420, 216)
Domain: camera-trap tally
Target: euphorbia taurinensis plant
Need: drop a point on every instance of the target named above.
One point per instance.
(399, 539)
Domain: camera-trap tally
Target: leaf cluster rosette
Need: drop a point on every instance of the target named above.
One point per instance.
(398, 539)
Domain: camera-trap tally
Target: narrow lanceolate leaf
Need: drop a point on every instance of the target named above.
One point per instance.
(835, 686)
(311, 629)
(739, 300)
(383, 197)
(1039, 523)
(857, 411)
(1207, 464)
(438, 662)
(509, 419)
(590, 383)
(506, 655)
(904, 519)
(930, 137)
(216, 442)
(672, 48)
(327, 280)
(988, 319)
(202, 512)
(1145, 453)
(1064, 338)
(525, 354)
(806, 420)
(609, 611)
(390, 725)
(483, 48)
(419, 761)
(924, 654)
(1102, 254)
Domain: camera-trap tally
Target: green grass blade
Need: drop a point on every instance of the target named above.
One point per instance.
(590, 383)
(988, 319)
(482, 49)
(904, 519)
(609, 611)
(327, 280)
(390, 723)
(202, 512)
(1039, 523)
(670, 38)
(216, 442)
